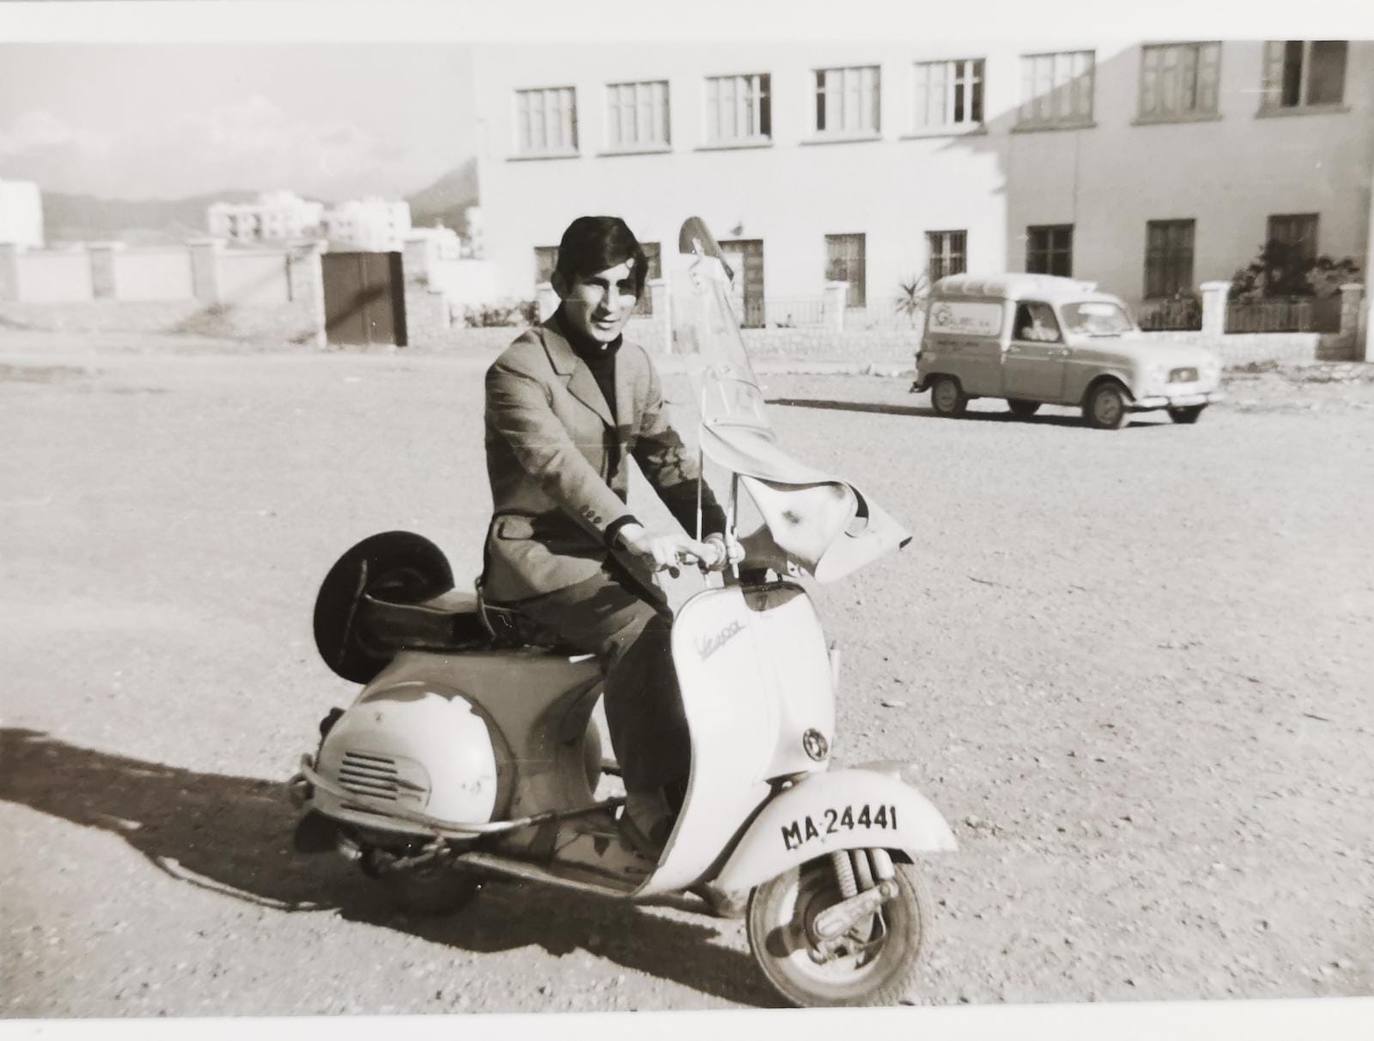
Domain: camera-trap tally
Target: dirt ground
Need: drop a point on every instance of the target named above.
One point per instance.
(1134, 667)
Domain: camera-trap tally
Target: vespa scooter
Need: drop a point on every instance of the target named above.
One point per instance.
(469, 756)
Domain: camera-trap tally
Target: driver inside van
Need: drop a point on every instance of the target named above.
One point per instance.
(567, 405)
(1035, 322)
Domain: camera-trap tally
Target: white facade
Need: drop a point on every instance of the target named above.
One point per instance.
(368, 225)
(21, 214)
(274, 217)
(910, 159)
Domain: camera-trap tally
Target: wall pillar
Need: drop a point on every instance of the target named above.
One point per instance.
(547, 299)
(1214, 296)
(205, 268)
(832, 308)
(102, 254)
(1352, 309)
(9, 270)
(305, 283)
(427, 307)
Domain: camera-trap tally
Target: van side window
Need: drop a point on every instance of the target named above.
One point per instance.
(1035, 322)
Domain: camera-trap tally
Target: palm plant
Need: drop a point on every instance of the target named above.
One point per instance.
(914, 296)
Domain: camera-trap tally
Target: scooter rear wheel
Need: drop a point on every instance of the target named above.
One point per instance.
(882, 960)
(432, 890)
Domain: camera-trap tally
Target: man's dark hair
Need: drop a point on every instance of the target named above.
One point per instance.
(593, 244)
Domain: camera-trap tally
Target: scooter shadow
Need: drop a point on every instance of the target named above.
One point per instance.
(1136, 423)
(232, 835)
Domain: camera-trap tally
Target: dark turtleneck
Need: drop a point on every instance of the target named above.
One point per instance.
(598, 356)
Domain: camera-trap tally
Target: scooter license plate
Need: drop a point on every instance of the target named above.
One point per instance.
(836, 821)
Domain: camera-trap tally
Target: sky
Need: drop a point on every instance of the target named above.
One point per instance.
(166, 120)
(133, 100)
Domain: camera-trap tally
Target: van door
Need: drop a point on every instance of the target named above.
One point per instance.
(1033, 368)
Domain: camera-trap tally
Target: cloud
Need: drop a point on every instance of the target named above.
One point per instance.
(251, 143)
(38, 131)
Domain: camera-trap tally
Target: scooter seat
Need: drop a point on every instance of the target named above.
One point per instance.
(448, 622)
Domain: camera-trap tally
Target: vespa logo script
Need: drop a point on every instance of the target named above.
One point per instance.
(708, 645)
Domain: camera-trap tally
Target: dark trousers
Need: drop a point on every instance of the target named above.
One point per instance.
(627, 625)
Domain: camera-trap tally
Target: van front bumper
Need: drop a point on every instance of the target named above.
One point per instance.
(1177, 400)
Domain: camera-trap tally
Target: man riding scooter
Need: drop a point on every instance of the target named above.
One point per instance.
(566, 403)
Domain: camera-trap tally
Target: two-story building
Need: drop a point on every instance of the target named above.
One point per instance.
(1148, 167)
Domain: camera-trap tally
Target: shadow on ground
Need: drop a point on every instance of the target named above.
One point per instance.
(927, 412)
(232, 835)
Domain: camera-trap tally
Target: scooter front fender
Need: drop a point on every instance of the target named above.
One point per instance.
(861, 807)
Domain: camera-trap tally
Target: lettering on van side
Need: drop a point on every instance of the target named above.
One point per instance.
(832, 822)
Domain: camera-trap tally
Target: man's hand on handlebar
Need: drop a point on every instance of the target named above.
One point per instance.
(667, 551)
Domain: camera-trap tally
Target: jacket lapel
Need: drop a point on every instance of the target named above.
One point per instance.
(580, 381)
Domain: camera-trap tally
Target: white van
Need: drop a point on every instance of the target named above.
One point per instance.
(1042, 339)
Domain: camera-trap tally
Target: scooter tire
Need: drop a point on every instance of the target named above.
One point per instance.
(779, 912)
(431, 892)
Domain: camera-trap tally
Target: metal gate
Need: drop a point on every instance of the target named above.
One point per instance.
(745, 257)
(364, 298)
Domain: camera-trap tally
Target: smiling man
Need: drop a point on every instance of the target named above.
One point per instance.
(565, 404)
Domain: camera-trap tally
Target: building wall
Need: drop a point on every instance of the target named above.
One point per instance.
(56, 276)
(153, 275)
(1108, 180)
(21, 213)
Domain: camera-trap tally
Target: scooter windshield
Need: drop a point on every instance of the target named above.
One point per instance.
(818, 521)
(707, 339)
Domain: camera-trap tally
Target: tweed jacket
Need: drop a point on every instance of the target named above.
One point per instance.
(556, 460)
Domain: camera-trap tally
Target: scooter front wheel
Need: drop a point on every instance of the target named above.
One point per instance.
(875, 962)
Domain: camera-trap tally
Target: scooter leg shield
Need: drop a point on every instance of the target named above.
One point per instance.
(866, 807)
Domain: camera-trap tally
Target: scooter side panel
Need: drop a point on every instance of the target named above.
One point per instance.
(517, 701)
(739, 659)
(841, 809)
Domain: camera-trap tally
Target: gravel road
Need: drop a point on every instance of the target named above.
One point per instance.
(1134, 667)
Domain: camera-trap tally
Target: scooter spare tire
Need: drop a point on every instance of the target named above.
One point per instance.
(399, 566)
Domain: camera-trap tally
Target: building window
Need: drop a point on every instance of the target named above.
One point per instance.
(1298, 73)
(1179, 80)
(948, 253)
(545, 260)
(844, 262)
(949, 94)
(1056, 89)
(847, 101)
(546, 121)
(1289, 251)
(1049, 249)
(654, 269)
(1168, 258)
(637, 115)
(738, 108)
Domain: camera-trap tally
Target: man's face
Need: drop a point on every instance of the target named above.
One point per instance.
(599, 305)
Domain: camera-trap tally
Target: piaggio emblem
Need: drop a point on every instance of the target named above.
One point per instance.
(815, 744)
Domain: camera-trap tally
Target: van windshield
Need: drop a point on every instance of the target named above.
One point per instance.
(1096, 318)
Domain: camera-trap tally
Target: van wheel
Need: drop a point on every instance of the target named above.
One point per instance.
(1022, 409)
(1106, 407)
(1186, 415)
(947, 397)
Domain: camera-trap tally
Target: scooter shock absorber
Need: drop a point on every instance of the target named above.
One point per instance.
(844, 873)
(863, 872)
(882, 864)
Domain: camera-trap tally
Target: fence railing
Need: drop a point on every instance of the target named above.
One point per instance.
(784, 312)
(883, 313)
(1168, 315)
(1292, 314)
